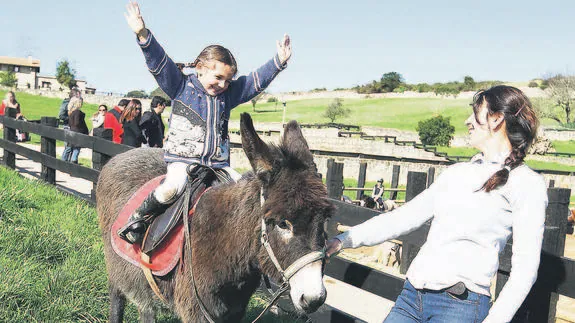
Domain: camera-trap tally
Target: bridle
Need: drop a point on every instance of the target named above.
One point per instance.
(290, 271)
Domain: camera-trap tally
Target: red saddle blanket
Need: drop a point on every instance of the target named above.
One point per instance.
(167, 255)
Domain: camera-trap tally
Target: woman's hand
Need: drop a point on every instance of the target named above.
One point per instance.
(332, 247)
(135, 20)
(284, 49)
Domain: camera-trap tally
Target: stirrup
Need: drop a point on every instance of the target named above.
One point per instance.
(133, 231)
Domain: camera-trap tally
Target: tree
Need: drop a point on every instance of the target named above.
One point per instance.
(160, 92)
(65, 75)
(468, 83)
(436, 131)
(256, 99)
(138, 94)
(335, 109)
(562, 92)
(391, 80)
(8, 79)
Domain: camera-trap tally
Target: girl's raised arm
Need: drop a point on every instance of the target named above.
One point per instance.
(167, 74)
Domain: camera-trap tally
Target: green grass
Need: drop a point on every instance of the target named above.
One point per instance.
(458, 151)
(567, 146)
(398, 113)
(535, 164)
(34, 107)
(52, 264)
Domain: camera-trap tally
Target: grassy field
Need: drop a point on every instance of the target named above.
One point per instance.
(378, 112)
(567, 146)
(52, 264)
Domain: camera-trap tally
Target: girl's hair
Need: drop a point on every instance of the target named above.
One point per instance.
(217, 53)
(130, 111)
(98, 112)
(74, 104)
(520, 124)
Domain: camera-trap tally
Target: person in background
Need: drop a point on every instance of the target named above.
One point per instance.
(77, 123)
(130, 120)
(10, 102)
(152, 125)
(99, 116)
(475, 207)
(63, 112)
(112, 120)
(377, 193)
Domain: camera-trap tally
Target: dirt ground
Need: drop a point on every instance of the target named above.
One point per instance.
(371, 308)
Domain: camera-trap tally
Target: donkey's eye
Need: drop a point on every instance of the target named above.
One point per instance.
(285, 225)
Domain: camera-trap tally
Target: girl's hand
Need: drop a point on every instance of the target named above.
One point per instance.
(284, 49)
(332, 247)
(135, 20)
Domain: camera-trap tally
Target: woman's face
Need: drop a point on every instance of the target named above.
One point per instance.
(137, 111)
(481, 132)
(101, 110)
(215, 76)
(10, 97)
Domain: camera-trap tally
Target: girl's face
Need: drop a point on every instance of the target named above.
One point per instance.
(215, 76)
(481, 132)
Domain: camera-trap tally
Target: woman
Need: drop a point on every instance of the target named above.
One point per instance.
(99, 116)
(10, 102)
(130, 120)
(475, 206)
(77, 123)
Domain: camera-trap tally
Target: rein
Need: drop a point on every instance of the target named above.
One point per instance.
(285, 274)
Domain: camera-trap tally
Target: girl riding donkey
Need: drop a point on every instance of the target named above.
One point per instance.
(201, 105)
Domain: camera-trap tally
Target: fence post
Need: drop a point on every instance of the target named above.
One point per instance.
(361, 179)
(99, 159)
(394, 182)
(334, 179)
(430, 176)
(551, 183)
(10, 135)
(48, 147)
(541, 303)
(416, 183)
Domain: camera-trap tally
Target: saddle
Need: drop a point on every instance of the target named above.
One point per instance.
(161, 249)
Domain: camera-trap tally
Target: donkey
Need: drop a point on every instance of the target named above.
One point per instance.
(228, 259)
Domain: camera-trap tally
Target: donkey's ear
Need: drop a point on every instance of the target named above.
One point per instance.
(295, 143)
(257, 151)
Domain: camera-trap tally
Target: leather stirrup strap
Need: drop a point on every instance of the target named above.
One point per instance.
(148, 274)
(150, 278)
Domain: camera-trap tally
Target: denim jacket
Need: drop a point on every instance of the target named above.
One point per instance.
(198, 129)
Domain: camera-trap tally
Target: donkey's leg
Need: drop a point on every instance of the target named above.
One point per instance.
(147, 315)
(117, 305)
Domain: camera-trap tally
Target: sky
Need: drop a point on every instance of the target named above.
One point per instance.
(335, 43)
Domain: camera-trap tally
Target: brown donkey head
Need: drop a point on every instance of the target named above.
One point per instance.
(294, 206)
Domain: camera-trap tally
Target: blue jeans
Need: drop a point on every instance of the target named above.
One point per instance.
(422, 305)
(67, 154)
(75, 153)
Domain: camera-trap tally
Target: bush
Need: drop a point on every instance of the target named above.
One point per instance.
(436, 131)
(272, 99)
(533, 84)
(8, 79)
(137, 94)
(335, 110)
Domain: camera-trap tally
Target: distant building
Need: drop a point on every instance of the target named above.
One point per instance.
(27, 72)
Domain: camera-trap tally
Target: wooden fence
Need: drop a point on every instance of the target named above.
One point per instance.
(556, 273)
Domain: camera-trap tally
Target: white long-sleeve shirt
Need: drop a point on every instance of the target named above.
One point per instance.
(469, 230)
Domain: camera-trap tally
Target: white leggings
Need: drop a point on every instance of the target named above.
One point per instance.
(176, 180)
